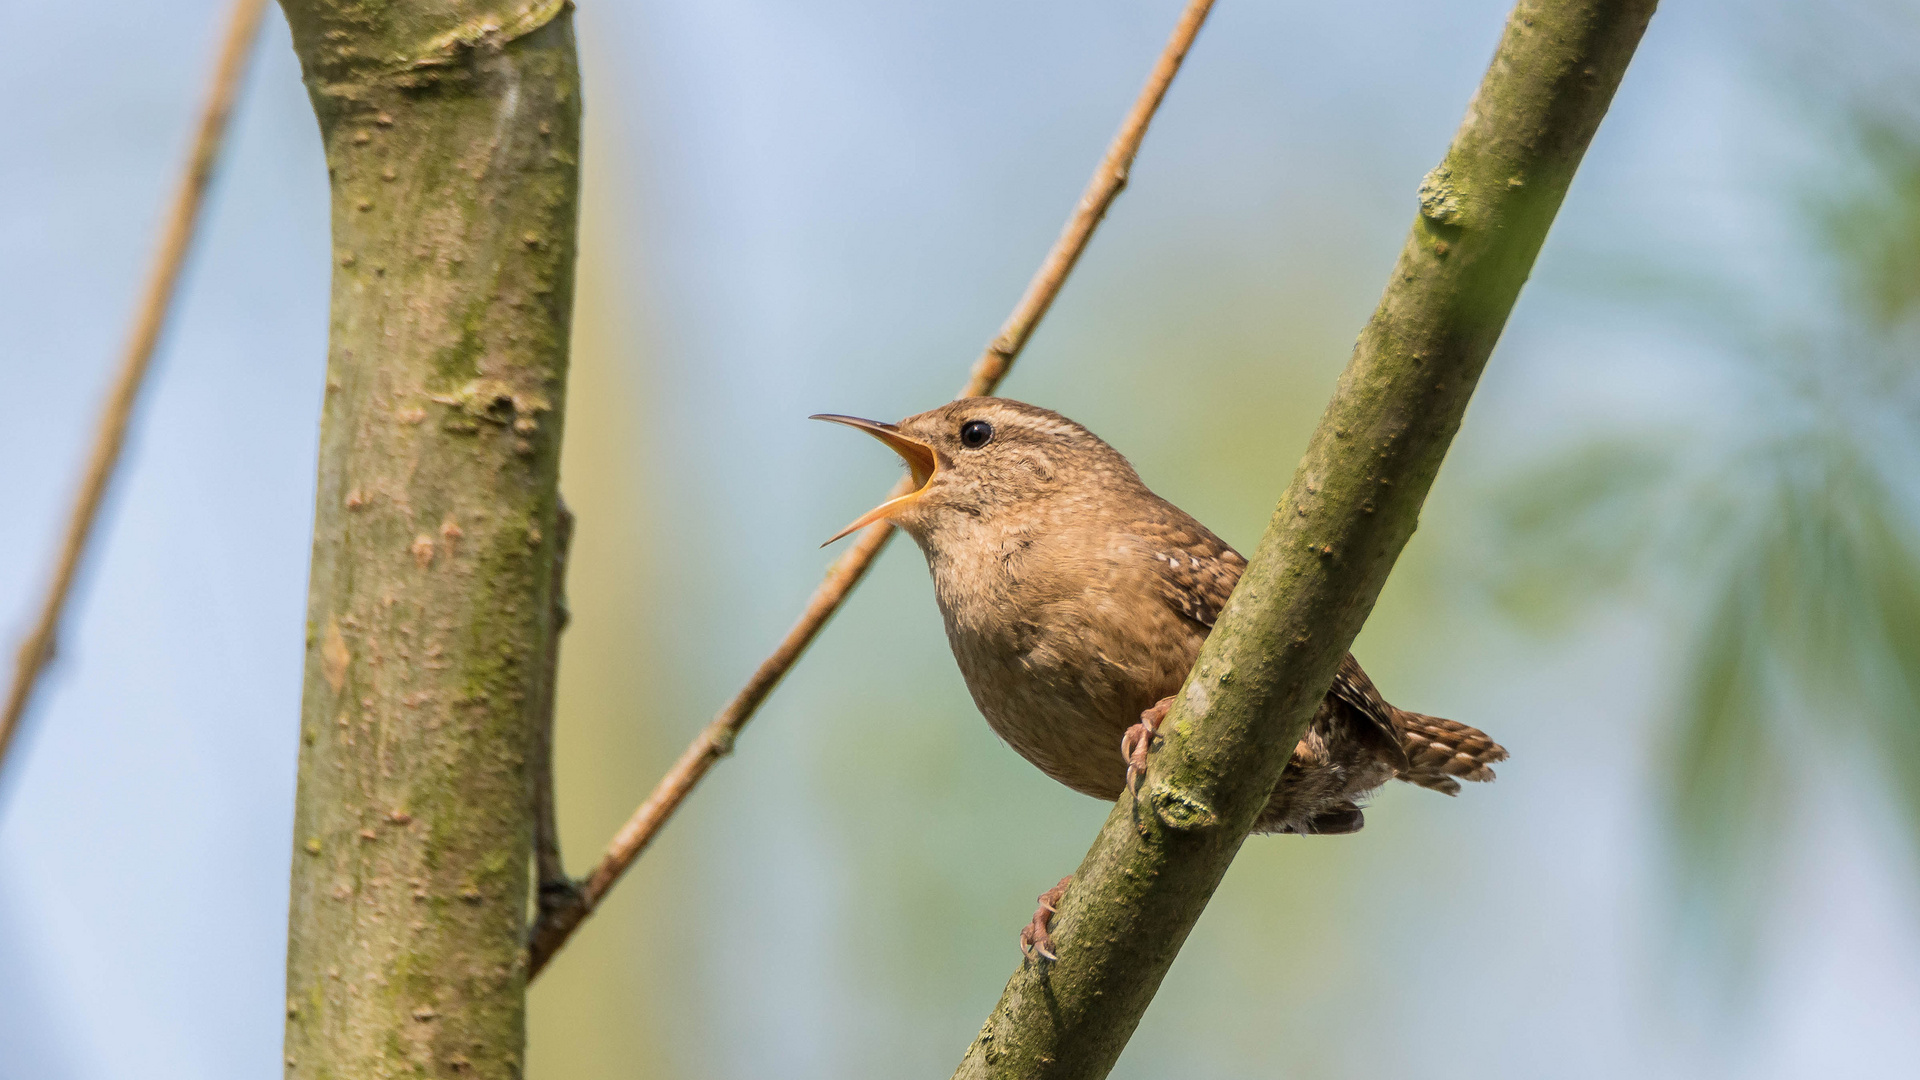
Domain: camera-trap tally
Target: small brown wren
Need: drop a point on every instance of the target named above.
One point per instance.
(1076, 600)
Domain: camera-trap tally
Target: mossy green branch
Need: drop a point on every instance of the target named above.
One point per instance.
(452, 132)
(1352, 505)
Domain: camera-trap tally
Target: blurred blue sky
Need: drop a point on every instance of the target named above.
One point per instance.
(797, 208)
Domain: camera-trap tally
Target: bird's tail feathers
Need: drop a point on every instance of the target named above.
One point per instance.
(1441, 753)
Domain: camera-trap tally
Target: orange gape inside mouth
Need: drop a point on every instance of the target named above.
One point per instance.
(920, 459)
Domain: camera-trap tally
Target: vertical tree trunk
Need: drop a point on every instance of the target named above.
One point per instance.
(452, 135)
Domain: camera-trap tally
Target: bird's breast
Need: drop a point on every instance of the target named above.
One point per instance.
(1061, 654)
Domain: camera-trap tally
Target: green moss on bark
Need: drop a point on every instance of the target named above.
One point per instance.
(452, 137)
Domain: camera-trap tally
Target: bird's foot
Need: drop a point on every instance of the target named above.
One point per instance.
(1139, 739)
(1036, 938)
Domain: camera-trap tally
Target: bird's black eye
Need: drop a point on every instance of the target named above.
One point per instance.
(975, 434)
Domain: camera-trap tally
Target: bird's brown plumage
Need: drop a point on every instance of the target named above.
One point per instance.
(1075, 599)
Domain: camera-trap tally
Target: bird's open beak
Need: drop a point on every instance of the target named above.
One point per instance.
(920, 459)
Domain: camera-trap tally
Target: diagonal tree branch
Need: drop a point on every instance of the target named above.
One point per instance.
(716, 741)
(1351, 507)
(37, 649)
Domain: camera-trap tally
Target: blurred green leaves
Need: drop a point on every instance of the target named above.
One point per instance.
(1876, 229)
(1777, 534)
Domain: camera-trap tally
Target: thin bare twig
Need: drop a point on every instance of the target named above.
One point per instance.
(149, 318)
(717, 739)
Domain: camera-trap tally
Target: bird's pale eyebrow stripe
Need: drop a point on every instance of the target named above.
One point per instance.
(1062, 429)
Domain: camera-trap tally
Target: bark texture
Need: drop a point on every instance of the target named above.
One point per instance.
(1352, 505)
(452, 134)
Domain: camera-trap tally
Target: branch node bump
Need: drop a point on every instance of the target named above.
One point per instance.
(1440, 201)
(1179, 810)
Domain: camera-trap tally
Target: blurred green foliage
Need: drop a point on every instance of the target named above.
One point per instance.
(1778, 534)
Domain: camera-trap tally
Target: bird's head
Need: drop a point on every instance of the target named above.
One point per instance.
(981, 461)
